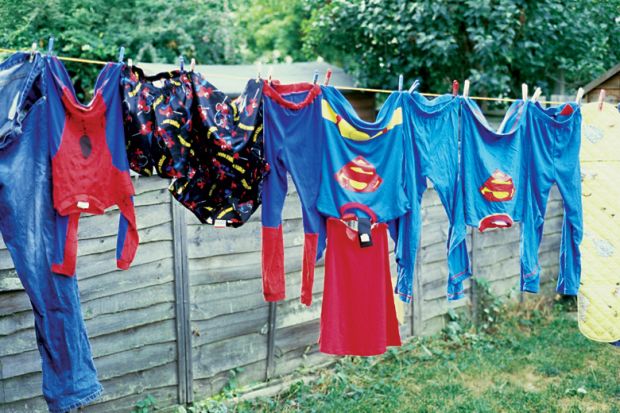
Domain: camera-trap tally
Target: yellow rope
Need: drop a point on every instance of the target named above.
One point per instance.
(357, 89)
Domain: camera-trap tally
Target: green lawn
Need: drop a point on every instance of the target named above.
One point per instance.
(526, 361)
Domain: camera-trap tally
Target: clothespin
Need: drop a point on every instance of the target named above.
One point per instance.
(466, 88)
(269, 74)
(328, 76)
(192, 64)
(259, 68)
(181, 62)
(33, 50)
(315, 78)
(50, 45)
(579, 95)
(524, 91)
(601, 99)
(536, 94)
(121, 54)
(455, 87)
(400, 83)
(414, 85)
(130, 62)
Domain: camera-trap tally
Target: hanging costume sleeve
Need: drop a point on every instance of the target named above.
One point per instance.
(65, 254)
(127, 240)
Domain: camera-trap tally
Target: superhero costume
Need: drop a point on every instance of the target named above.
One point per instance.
(552, 147)
(363, 162)
(492, 166)
(294, 139)
(433, 126)
(89, 165)
(358, 316)
(28, 226)
(226, 157)
(157, 113)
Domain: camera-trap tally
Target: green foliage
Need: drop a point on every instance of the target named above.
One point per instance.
(150, 31)
(497, 44)
(272, 29)
(146, 405)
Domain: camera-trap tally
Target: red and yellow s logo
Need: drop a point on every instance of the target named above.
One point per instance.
(498, 188)
(359, 175)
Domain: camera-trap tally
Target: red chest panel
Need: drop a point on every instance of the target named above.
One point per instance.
(84, 177)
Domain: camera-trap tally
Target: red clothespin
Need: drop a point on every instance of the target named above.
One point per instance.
(328, 76)
(455, 87)
(601, 99)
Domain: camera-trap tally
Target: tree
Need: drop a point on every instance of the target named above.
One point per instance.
(150, 30)
(271, 29)
(497, 44)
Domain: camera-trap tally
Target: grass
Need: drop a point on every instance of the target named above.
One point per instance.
(523, 360)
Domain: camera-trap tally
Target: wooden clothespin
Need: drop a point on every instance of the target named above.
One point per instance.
(536, 94)
(455, 87)
(192, 64)
(50, 45)
(181, 62)
(328, 76)
(579, 95)
(414, 85)
(269, 74)
(400, 83)
(466, 88)
(259, 69)
(121, 54)
(601, 99)
(33, 50)
(524, 91)
(315, 78)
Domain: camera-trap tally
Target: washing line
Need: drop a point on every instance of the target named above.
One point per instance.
(351, 88)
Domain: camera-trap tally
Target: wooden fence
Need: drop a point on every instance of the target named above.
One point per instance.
(190, 310)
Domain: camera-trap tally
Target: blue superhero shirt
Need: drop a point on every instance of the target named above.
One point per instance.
(363, 162)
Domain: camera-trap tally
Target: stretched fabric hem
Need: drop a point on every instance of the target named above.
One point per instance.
(460, 276)
(80, 402)
(405, 298)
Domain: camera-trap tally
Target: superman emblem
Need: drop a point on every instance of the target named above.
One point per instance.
(359, 175)
(498, 188)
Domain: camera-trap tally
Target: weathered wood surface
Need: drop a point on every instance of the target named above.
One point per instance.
(130, 316)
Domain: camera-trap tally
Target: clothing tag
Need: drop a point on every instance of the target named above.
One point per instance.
(83, 204)
(363, 232)
(13, 109)
(159, 83)
(220, 223)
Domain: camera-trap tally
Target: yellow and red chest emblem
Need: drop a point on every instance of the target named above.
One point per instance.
(359, 175)
(498, 188)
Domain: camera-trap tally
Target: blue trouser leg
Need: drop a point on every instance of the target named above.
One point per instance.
(28, 228)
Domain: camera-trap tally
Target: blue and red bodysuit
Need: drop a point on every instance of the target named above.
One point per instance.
(90, 170)
(293, 137)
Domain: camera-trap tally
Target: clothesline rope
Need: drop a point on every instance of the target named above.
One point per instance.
(357, 89)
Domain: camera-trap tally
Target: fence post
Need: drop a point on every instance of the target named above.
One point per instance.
(181, 299)
(473, 289)
(271, 340)
(417, 319)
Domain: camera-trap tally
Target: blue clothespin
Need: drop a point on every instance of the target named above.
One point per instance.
(400, 83)
(414, 85)
(50, 45)
(315, 78)
(121, 54)
(181, 62)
